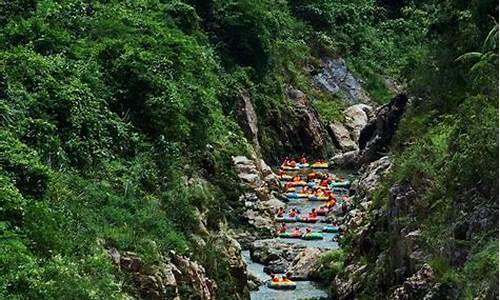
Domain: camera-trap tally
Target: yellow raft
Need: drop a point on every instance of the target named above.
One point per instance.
(282, 285)
(320, 165)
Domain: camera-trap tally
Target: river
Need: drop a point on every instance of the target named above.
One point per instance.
(304, 289)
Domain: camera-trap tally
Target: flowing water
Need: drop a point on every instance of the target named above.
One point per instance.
(305, 289)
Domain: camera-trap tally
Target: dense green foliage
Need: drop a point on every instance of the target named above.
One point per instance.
(446, 149)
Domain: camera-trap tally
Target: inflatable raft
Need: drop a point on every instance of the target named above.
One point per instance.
(289, 168)
(312, 236)
(285, 219)
(340, 184)
(297, 195)
(330, 229)
(299, 183)
(282, 285)
(307, 220)
(289, 235)
(318, 198)
(319, 165)
(285, 177)
(322, 211)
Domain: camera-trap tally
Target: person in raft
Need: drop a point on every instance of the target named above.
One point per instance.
(282, 228)
(324, 181)
(292, 163)
(293, 213)
(296, 179)
(303, 159)
(313, 214)
(280, 212)
(311, 176)
(286, 162)
(297, 232)
(274, 278)
(319, 192)
(308, 230)
(284, 279)
(331, 203)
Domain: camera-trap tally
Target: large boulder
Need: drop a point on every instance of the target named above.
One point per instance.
(341, 137)
(305, 264)
(347, 160)
(375, 138)
(356, 118)
(334, 77)
(267, 251)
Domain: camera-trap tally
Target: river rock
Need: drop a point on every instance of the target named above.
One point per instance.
(161, 281)
(248, 172)
(347, 160)
(341, 137)
(305, 264)
(278, 266)
(266, 251)
(253, 282)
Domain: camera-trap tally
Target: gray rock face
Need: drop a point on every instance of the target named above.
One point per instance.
(237, 267)
(247, 118)
(334, 77)
(371, 176)
(163, 280)
(375, 138)
(309, 129)
(194, 273)
(251, 176)
(416, 286)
